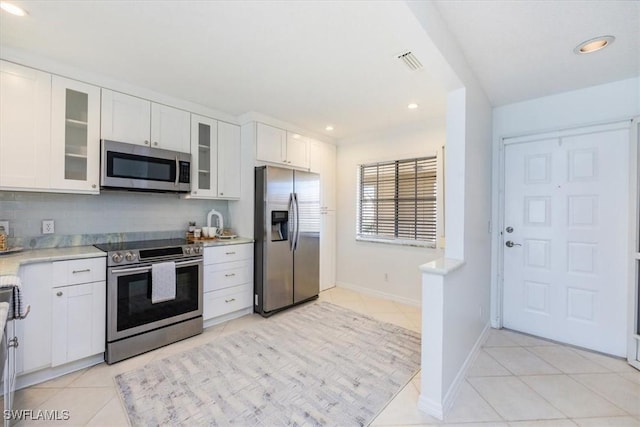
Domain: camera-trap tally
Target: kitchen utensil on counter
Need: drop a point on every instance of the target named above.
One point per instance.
(196, 233)
(218, 215)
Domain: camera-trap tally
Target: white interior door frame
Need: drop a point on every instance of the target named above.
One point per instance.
(633, 307)
(634, 218)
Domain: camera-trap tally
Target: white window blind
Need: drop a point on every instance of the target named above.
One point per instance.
(397, 200)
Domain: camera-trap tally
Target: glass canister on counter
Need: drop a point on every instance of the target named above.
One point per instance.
(3, 240)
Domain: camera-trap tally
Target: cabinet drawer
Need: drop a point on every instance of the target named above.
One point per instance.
(227, 253)
(79, 271)
(218, 303)
(221, 276)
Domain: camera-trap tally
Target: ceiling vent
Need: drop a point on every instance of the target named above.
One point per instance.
(410, 61)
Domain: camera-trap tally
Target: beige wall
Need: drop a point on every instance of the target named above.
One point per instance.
(363, 265)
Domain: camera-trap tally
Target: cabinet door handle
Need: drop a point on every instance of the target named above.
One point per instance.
(155, 143)
(86, 270)
(93, 186)
(230, 300)
(146, 142)
(13, 342)
(230, 253)
(230, 275)
(59, 293)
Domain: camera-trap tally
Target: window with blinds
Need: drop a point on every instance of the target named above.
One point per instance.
(397, 201)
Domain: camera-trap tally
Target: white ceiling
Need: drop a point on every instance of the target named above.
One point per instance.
(521, 50)
(312, 63)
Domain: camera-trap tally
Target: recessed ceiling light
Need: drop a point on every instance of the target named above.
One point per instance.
(329, 127)
(412, 106)
(296, 136)
(12, 9)
(593, 45)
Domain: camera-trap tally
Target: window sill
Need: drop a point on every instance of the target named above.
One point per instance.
(397, 242)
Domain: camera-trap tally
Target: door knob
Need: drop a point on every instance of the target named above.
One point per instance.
(510, 244)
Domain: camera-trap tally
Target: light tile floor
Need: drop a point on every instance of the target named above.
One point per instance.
(516, 380)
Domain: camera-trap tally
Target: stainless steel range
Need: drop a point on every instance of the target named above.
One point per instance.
(135, 324)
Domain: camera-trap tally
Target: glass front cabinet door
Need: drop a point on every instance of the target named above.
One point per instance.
(75, 139)
(204, 155)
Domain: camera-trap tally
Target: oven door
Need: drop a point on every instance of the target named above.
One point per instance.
(129, 308)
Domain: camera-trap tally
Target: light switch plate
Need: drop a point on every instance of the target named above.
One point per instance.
(5, 224)
(48, 226)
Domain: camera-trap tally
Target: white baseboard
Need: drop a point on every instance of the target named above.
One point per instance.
(430, 407)
(379, 294)
(220, 319)
(452, 393)
(37, 377)
(438, 409)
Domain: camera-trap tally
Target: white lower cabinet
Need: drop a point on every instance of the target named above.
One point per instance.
(78, 321)
(34, 332)
(228, 279)
(67, 318)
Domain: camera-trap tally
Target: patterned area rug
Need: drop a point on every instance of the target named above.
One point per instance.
(315, 365)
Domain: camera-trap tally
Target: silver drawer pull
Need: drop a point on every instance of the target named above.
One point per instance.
(230, 300)
(86, 270)
(59, 293)
(13, 342)
(230, 253)
(230, 275)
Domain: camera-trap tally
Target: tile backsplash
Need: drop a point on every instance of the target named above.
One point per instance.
(110, 216)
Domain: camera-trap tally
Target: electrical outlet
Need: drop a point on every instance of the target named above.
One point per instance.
(48, 226)
(5, 224)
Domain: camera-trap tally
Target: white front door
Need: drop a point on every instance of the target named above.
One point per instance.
(565, 236)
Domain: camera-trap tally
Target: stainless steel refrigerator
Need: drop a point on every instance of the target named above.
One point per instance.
(287, 238)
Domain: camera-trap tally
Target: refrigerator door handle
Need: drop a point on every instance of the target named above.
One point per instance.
(297, 235)
(291, 208)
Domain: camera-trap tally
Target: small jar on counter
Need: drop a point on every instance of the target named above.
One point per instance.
(3, 240)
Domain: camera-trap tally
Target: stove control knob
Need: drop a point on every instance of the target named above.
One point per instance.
(187, 250)
(198, 249)
(130, 256)
(117, 257)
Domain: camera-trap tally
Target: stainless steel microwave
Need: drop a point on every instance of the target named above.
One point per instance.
(136, 167)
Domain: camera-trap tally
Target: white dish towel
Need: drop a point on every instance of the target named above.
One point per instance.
(163, 282)
(18, 309)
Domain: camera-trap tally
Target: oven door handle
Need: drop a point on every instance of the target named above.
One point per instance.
(148, 268)
(177, 172)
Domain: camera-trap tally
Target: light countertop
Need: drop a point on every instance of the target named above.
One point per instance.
(10, 263)
(224, 242)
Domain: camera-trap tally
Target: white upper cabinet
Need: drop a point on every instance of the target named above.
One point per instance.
(170, 128)
(276, 145)
(229, 161)
(204, 163)
(126, 118)
(25, 127)
(215, 158)
(271, 144)
(75, 136)
(297, 150)
(49, 132)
